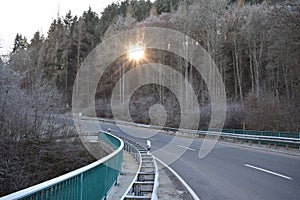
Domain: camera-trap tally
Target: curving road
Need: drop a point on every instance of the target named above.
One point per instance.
(229, 171)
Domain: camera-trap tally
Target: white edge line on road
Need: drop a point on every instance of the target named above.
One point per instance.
(190, 190)
(148, 138)
(268, 171)
(186, 148)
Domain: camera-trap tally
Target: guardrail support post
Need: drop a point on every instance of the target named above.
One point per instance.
(81, 186)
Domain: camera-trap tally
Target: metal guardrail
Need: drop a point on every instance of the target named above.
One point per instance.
(261, 133)
(145, 183)
(292, 142)
(89, 182)
(287, 139)
(259, 138)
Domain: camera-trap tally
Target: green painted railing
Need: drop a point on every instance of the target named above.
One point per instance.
(272, 135)
(261, 133)
(93, 181)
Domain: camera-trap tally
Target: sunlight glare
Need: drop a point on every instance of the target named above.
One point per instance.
(136, 52)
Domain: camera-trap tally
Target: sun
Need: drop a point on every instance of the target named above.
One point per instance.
(136, 52)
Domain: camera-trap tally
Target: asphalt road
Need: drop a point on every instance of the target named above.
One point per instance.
(229, 171)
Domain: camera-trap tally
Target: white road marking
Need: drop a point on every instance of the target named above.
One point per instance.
(93, 141)
(148, 138)
(186, 148)
(268, 171)
(191, 191)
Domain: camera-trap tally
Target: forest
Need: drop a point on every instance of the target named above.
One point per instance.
(255, 45)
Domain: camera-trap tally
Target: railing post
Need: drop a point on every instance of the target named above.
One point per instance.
(81, 186)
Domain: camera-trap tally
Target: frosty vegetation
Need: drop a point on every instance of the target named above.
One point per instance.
(29, 147)
(255, 45)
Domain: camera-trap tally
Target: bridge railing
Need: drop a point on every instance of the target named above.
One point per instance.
(260, 133)
(288, 139)
(93, 181)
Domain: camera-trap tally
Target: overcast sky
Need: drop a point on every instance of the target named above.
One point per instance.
(28, 16)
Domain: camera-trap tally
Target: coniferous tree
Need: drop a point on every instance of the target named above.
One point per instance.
(34, 48)
(19, 43)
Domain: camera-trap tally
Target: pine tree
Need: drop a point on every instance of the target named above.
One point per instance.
(34, 48)
(20, 43)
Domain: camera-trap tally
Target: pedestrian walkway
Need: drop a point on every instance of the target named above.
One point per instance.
(129, 169)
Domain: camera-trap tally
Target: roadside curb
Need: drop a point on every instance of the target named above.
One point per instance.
(189, 189)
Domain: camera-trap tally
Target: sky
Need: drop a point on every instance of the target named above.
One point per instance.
(28, 16)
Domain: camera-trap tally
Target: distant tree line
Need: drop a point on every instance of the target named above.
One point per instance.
(256, 48)
(254, 43)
